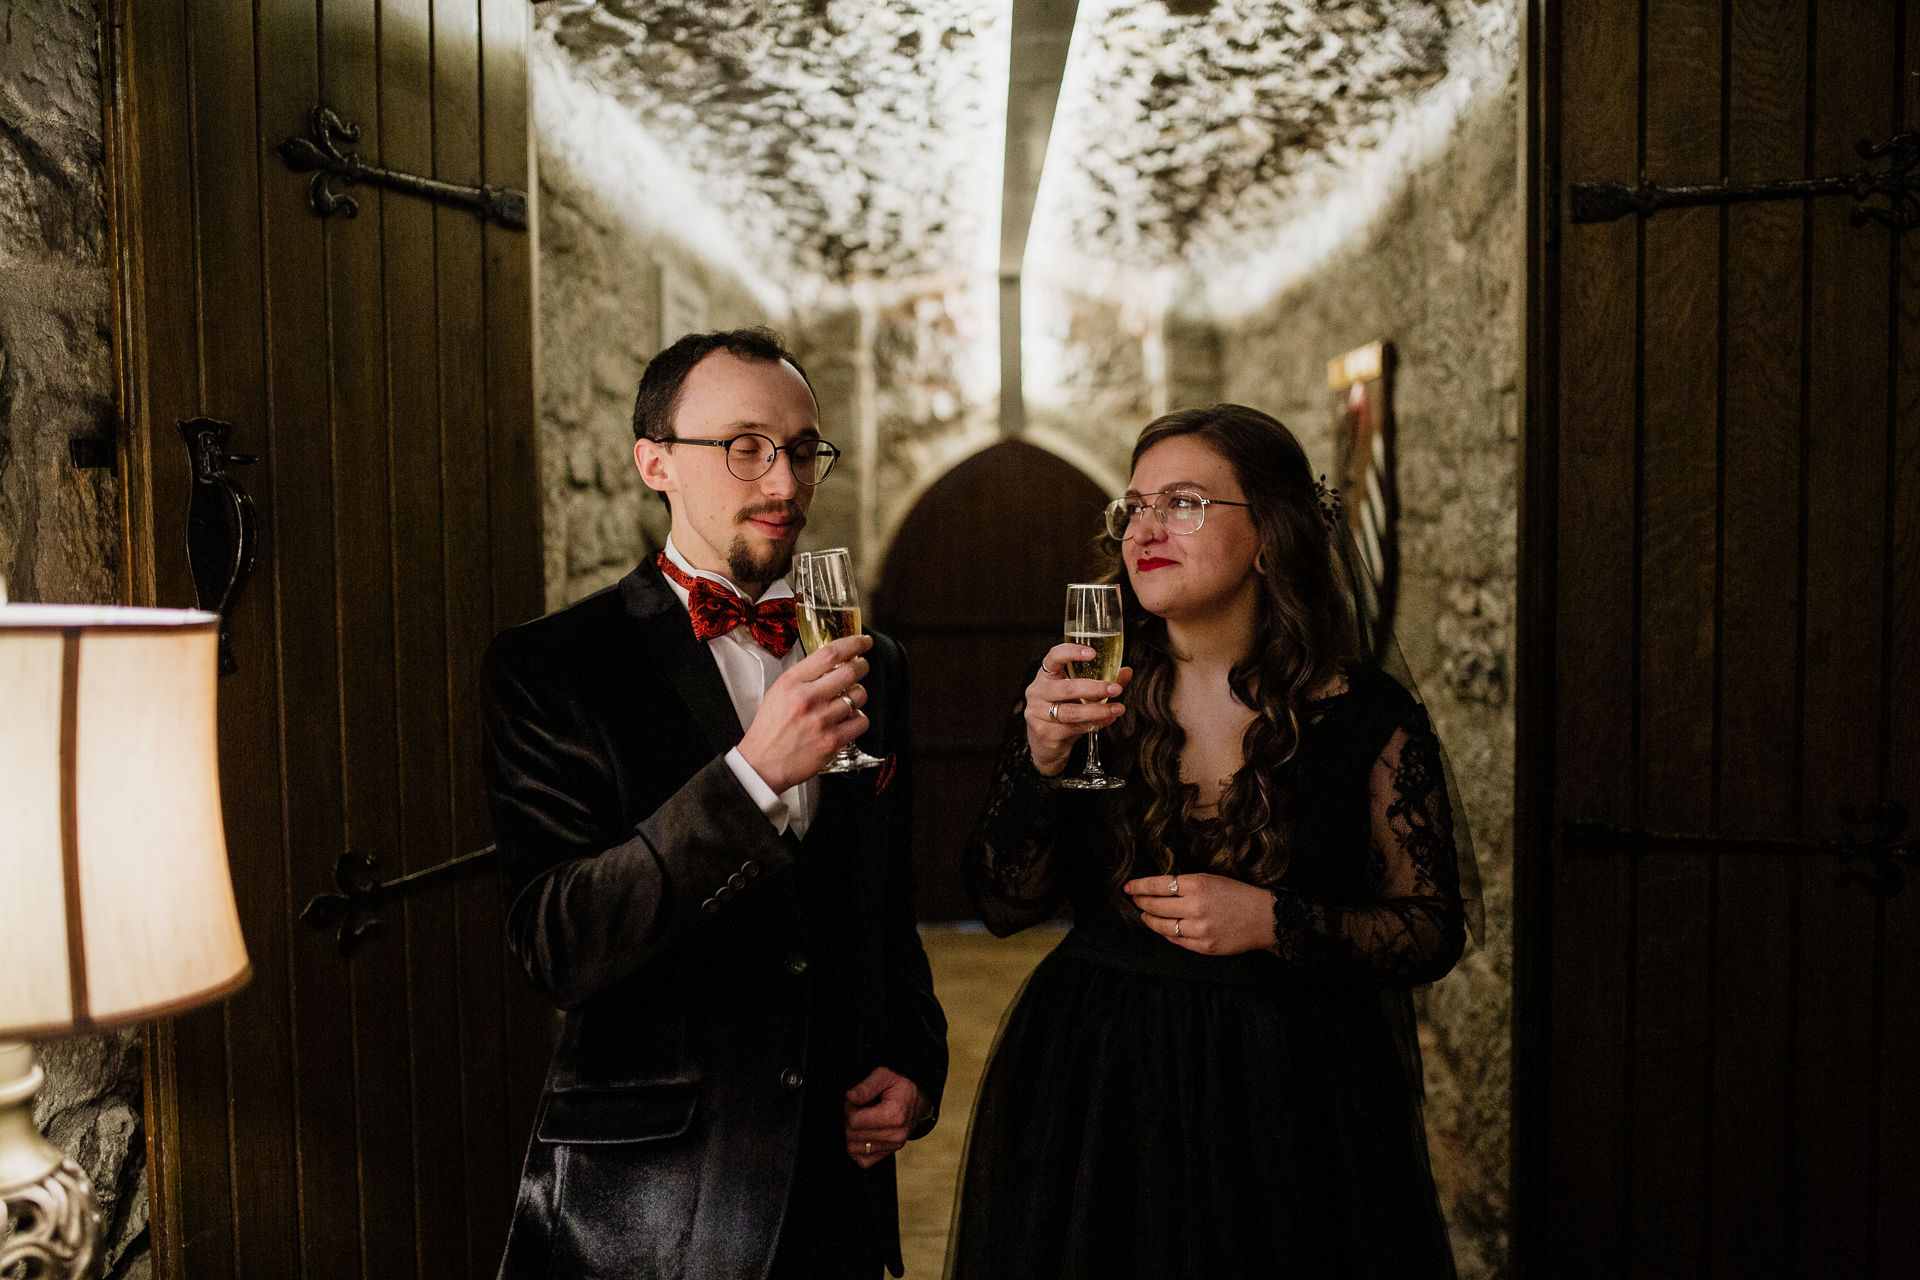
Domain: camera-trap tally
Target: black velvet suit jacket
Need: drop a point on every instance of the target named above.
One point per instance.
(652, 901)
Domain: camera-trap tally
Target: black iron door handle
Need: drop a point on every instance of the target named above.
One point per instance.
(222, 530)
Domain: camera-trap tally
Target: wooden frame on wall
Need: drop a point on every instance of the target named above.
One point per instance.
(1360, 391)
(133, 460)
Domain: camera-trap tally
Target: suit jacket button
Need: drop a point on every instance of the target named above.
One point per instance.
(723, 893)
(792, 1079)
(736, 882)
(710, 906)
(749, 868)
(796, 964)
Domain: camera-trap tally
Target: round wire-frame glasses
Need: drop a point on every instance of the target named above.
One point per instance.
(752, 455)
(1181, 511)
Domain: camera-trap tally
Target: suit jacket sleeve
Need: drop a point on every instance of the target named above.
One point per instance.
(591, 900)
(916, 1028)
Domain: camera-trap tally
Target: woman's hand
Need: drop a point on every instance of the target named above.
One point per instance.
(1060, 710)
(1214, 915)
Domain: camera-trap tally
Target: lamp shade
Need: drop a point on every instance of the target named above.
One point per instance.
(115, 901)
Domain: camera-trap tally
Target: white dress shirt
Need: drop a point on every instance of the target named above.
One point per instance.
(749, 671)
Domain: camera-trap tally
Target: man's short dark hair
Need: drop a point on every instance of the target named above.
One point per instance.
(666, 376)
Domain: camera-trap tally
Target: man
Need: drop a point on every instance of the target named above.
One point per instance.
(750, 1028)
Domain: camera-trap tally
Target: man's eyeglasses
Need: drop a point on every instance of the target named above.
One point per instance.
(1178, 511)
(751, 456)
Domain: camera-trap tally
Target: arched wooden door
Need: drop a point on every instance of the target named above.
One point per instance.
(974, 588)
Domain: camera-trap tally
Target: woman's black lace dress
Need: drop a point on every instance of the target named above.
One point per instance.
(1151, 1112)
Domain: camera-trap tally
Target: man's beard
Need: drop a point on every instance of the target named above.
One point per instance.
(742, 567)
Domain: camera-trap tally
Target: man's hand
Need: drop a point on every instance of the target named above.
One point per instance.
(809, 713)
(881, 1111)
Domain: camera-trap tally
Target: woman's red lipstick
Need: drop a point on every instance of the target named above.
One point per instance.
(1147, 564)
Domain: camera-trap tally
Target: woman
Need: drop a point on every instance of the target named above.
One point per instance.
(1213, 1075)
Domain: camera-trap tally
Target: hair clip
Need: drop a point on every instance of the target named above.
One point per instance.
(1329, 500)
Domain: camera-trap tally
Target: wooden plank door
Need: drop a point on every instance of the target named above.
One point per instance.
(974, 590)
(365, 1117)
(1714, 1033)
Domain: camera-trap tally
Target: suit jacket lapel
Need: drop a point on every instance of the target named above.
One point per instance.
(666, 633)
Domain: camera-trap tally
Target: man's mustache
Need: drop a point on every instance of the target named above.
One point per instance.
(789, 509)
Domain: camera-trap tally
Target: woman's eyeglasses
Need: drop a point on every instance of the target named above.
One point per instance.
(1178, 511)
(751, 456)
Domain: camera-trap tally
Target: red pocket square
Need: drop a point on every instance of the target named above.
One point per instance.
(885, 780)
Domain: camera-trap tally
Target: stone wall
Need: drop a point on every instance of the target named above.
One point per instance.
(631, 257)
(59, 537)
(629, 260)
(59, 531)
(1438, 274)
(1094, 366)
(935, 398)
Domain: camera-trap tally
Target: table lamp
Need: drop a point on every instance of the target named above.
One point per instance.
(115, 902)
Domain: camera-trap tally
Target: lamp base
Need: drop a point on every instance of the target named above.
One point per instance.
(52, 1227)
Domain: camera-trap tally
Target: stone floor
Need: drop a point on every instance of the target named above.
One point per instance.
(976, 976)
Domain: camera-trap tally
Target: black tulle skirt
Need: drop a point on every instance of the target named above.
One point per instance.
(1149, 1112)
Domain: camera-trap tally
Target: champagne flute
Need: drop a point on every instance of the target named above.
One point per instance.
(1093, 619)
(827, 608)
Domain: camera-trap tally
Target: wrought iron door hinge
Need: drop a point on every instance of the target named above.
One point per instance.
(351, 911)
(1875, 857)
(1898, 185)
(338, 169)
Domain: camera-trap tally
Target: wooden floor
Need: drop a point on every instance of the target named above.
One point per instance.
(976, 976)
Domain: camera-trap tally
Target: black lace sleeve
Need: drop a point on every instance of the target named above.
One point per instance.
(1009, 864)
(1414, 928)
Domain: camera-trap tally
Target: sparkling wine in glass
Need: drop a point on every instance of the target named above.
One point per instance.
(1093, 619)
(827, 608)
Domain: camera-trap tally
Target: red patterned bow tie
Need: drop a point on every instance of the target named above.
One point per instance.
(716, 611)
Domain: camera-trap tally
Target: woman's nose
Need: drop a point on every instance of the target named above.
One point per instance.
(1148, 527)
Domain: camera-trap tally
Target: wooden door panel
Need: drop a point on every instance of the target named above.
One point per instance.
(481, 971)
(190, 1156)
(1593, 897)
(1845, 488)
(1751, 1022)
(1898, 1164)
(381, 367)
(258, 1076)
(1722, 475)
(1679, 339)
(975, 590)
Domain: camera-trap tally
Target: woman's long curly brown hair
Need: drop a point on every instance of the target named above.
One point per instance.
(1302, 636)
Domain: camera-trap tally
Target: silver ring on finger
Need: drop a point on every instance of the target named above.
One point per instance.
(1049, 672)
(1053, 712)
(1176, 928)
(848, 699)
(1173, 886)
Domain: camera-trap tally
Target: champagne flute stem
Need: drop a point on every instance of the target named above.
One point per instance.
(1092, 769)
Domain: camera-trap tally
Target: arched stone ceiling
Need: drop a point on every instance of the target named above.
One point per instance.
(845, 139)
(1187, 125)
(855, 138)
